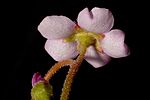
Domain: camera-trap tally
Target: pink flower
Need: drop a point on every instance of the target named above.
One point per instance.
(99, 21)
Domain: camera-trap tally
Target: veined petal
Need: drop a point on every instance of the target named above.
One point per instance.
(96, 59)
(56, 27)
(98, 20)
(113, 44)
(60, 50)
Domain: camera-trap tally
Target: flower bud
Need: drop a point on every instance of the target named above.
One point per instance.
(41, 89)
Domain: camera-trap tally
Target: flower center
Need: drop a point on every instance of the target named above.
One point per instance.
(85, 39)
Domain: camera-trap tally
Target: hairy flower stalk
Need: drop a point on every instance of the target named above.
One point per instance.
(57, 67)
(74, 66)
(71, 73)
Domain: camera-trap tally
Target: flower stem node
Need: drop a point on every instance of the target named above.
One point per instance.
(84, 38)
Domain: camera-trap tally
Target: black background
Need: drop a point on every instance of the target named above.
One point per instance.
(24, 54)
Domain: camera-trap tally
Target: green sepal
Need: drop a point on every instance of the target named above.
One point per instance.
(42, 91)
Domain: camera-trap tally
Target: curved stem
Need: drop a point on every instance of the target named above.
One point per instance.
(56, 67)
(71, 73)
(74, 66)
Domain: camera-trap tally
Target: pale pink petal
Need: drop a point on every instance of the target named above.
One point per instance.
(56, 27)
(60, 50)
(113, 44)
(96, 59)
(98, 20)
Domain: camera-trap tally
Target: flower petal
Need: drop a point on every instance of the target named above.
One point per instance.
(98, 20)
(55, 27)
(96, 59)
(61, 50)
(113, 44)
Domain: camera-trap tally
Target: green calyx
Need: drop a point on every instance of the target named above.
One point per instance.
(84, 39)
(42, 91)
